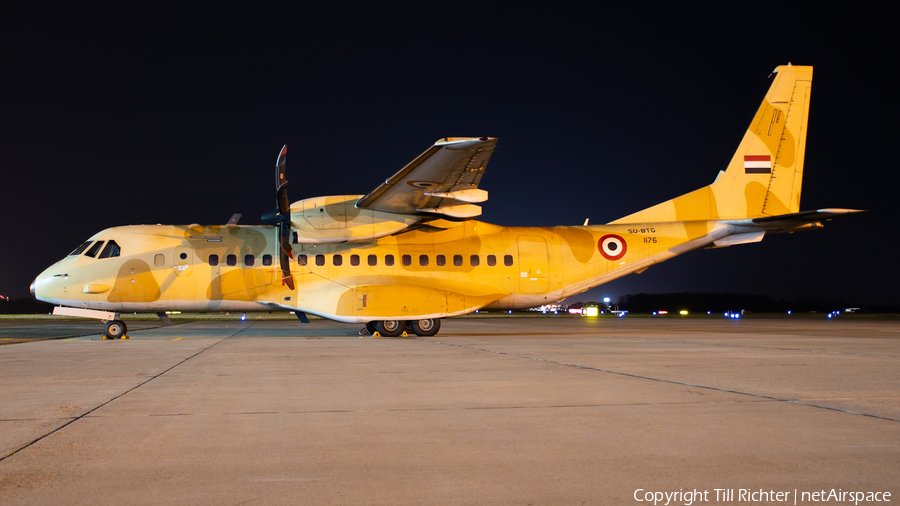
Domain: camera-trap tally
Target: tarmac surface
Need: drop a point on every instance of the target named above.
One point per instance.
(557, 410)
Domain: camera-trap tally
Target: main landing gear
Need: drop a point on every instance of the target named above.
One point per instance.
(393, 328)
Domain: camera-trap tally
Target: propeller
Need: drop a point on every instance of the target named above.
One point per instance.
(281, 217)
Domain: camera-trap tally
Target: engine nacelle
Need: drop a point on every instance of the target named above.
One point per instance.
(336, 219)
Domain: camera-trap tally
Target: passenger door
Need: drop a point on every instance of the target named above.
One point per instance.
(534, 269)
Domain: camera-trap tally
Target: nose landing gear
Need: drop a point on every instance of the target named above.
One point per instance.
(115, 329)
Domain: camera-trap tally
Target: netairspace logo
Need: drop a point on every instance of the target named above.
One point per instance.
(728, 495)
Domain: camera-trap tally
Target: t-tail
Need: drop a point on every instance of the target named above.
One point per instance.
(763, 182)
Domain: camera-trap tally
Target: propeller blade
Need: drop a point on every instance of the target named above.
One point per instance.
(281, 184)
(286, 277)
(283, 219)
(284, 238)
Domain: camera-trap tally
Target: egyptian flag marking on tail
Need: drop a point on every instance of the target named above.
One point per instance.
(757, 164)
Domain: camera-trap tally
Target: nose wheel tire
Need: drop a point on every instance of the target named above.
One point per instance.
(115, 329)
(426, 328)
(389, 328)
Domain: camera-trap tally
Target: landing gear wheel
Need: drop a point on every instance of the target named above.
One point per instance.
(426, 328)
(370, 327)
(115, 329)
(389, 328)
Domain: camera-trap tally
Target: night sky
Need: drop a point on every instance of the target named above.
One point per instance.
(176, 115)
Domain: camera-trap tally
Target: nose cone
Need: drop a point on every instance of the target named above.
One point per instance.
(41, 285)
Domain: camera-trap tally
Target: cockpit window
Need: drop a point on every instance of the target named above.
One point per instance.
(79, 250)
(111, 250)
(94, 249)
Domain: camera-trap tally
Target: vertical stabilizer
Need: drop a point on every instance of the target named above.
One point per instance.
(765, 175)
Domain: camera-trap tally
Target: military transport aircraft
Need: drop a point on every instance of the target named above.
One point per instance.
(410, 252)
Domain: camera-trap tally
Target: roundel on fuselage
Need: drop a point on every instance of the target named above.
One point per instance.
(612, 247)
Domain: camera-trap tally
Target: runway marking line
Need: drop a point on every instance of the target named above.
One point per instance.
(126, 392)
(662, 380)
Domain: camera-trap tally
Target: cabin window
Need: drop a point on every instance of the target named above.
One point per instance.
(302, 259)
(159, 260)
(423, 260)
(94, 249)
(231, 260)
(214, 260)
(79, 250)
(440, 260)
(389, 260)
(373, 260)
(320, 260)
(474, 260)
(249, 260)
(457, 260)
(337, 260)
(267, 260)
(111, 250)
(492, 260)
(507, 260)
(354, 259)
(406, 260)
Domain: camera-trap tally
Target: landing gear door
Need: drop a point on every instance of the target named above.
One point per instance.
(184, 261)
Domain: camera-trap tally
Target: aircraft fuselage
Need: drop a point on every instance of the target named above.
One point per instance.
(429, 272)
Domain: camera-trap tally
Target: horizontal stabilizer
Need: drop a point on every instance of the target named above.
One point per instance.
(807, 216)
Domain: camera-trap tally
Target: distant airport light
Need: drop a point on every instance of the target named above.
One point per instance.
(606, 300)
(510, 311)
(682, 312)
(830, 315)
(709, 312)
(574, 311)
(622, 314)
(789, 312)
(591, 311)
(662, 312)
(654, 313)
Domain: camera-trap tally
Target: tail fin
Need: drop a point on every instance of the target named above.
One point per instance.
(766, 173)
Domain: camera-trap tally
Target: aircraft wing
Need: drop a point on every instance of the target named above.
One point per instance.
(441, 181)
